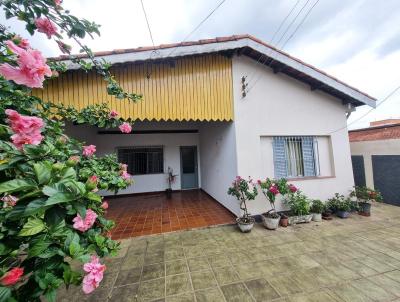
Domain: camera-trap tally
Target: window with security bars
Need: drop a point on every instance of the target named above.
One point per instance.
(142, 160)
(295, 156)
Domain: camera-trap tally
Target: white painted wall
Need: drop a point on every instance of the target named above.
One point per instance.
(369, 148)
(219, 161)
(107, 143)
(279, 105)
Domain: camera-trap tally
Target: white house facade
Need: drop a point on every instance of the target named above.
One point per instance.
(287, 119)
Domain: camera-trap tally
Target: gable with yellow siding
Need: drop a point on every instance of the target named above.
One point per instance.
(190, 88)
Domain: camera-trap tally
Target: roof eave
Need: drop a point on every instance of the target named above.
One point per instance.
(276, 55)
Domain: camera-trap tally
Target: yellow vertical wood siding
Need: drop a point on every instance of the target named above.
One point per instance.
(192, 88)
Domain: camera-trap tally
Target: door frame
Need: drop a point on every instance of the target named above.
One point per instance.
(196, 166)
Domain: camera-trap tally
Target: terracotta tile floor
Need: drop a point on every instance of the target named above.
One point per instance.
(153, 214)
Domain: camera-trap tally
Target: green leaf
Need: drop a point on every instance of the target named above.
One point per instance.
(69, 173)
(35, 206)
(42, 172)
(50, 295)
(80, 208)
(54, 216)
(32, 227)
(5, 293)
(74, 249)
(93, 196)
(60, 198)
(16, 185)
(38, 247)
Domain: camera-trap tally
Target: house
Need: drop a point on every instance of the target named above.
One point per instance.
(217, 108)
(375, 153)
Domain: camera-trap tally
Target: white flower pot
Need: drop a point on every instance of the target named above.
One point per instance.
(317, 217)
(270, 223)
(300, 219)
(245, 227)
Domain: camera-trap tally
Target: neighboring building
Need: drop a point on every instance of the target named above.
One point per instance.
(218, 108)
(375, 153)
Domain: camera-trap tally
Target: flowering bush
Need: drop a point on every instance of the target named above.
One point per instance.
(272, 187)
(50, 213)
(243, 190)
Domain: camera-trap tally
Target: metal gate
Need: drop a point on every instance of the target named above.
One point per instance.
(358, 170)
(386, 169)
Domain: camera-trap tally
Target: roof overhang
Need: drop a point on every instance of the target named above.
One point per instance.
(254, 48)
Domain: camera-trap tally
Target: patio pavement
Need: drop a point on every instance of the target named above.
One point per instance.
(356, 259)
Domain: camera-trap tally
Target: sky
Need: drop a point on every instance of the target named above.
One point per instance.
(357, 41)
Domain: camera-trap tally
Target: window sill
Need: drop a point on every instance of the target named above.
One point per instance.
(309, 178)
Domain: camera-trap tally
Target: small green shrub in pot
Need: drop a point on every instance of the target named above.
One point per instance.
(299, 205)
(317, 208)
(341, 205)
(365, 196)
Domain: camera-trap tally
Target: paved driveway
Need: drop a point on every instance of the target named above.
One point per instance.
(357, 259)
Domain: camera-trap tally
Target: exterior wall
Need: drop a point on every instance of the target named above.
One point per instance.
(377, 147)
(277, 106)
(107, 143)
(218, 162)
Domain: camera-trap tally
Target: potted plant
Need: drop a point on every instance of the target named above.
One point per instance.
(243, 190)
(364, 196)
(271, 188)
(299, 206)
(284, 221)
(317, 208)
(341, 205)
(171, 179)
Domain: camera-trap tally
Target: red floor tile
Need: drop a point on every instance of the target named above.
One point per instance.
(153, 214)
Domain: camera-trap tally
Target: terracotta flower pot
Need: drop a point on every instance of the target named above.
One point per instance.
(284, 222)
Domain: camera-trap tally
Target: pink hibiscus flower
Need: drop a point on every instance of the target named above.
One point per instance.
(9, 200)
(88, 150)
(113, 114)
(31, 70)
(104, 205)
(95, 272)
(125, 128)
(274, 190)
(84, 224)
(125, 175)
(27, 129)
(292, 188)
(44, 25)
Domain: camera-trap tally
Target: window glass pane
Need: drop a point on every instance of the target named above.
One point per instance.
(142, 160)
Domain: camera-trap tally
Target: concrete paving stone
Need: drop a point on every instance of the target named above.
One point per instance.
(151, 290)
(209, 295)
(198, 264)
(176, 267)
(360, 268)
(128, 276)
(178, 284)
(261, 290)
(348, 293)
(203, 279)
(153, 271)
(225, 275)
(285, 285)
(188, 297)
(218, 261)
(386, 283)
(371, 290)
(128, 293)
(236, 292)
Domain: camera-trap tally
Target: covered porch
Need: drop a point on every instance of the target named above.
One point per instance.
(153, 213)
